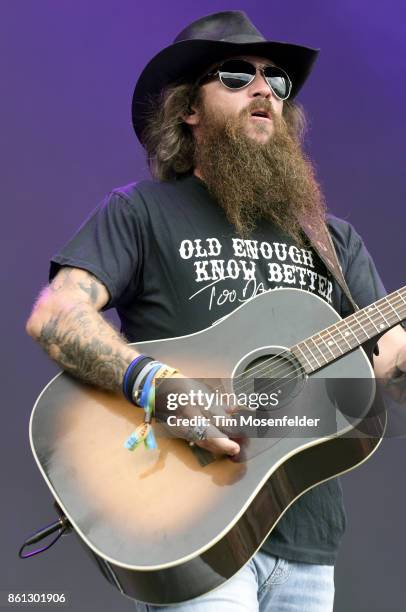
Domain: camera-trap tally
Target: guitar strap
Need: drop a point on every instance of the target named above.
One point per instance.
(321, 241)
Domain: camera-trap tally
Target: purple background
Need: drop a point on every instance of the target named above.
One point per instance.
(68, 70)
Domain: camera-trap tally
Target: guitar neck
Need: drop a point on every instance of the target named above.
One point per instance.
(348, 334)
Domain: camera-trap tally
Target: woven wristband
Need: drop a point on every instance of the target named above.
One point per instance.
(147, 385)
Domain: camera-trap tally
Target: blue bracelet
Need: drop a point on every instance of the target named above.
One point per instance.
(126, 391)
(146, 386)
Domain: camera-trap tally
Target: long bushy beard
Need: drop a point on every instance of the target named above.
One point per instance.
(253, 181)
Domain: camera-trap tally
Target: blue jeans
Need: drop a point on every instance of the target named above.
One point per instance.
(266, 584)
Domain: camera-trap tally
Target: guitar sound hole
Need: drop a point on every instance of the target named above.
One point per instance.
(280, 376)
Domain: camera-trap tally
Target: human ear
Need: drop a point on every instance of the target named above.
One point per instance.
(192, 117)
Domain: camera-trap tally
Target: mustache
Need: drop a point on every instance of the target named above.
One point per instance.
(258, 105)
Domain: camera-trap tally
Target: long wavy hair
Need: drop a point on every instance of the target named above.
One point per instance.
(169, 141)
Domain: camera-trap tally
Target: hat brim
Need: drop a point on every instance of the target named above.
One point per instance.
(186, 60)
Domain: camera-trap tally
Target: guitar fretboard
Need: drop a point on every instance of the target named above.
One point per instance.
(346, 335)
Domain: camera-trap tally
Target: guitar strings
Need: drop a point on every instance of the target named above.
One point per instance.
(279, 371)
(287, 352)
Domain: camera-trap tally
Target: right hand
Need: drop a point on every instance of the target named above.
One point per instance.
(215, 440)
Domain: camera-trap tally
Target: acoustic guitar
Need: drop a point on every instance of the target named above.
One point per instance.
(172, 523)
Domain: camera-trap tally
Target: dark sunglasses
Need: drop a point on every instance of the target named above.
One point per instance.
(236, 74)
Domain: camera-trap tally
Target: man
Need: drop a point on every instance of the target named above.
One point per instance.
(220, 224)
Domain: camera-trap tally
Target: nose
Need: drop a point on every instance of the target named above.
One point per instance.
(259, 87)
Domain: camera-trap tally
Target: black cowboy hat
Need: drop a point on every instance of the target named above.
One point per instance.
(207, 41)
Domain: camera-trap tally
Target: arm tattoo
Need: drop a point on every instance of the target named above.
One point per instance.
(85, 345)
(91, 287)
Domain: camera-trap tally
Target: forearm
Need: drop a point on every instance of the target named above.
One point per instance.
(83, 343)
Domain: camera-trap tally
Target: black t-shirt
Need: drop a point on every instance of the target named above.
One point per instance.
(173, 265)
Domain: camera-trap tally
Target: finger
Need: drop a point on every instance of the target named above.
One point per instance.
(220, 446)
(217, 442)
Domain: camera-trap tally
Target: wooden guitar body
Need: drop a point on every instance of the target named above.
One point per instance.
(164, 528)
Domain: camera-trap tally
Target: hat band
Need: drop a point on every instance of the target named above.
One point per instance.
(243, 38)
